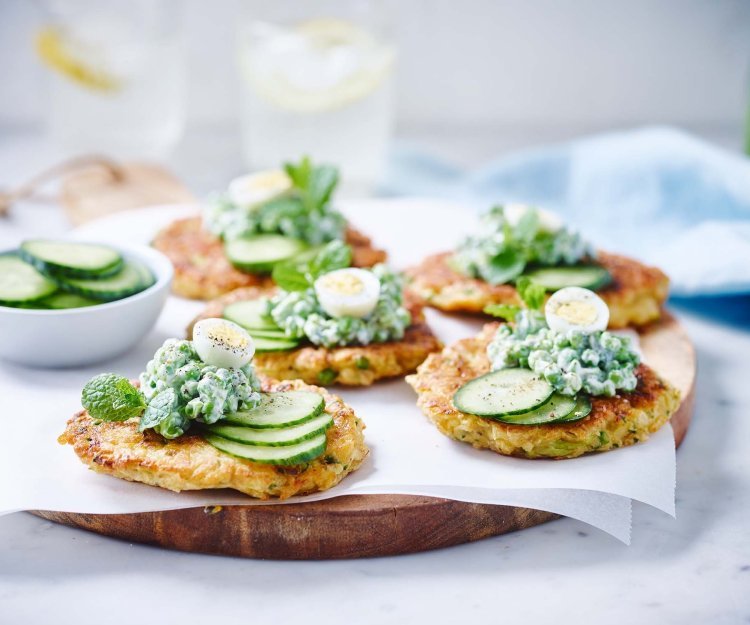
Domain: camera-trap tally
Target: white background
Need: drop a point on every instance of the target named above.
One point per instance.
(520, 70)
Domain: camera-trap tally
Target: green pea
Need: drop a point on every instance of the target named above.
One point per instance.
(327, 376)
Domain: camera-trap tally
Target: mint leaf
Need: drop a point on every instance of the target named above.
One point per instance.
(164, 415)
(335, 255)
(502, 311)
(323, 181)
(293, 276)
(532, 293)
(273, 212)
(527, 226)
(300, 173)
(506, 266)
(314, 184)
(111, 397)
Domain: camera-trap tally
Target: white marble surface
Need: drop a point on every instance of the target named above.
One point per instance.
(695, 569)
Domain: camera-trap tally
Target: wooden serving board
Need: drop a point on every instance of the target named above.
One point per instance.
(365, 525)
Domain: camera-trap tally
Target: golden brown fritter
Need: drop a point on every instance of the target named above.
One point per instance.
(190, 463)
(350, 366)
(202, 271)
(614, 421)
(634, 296)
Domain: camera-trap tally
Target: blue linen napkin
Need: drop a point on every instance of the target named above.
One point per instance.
(657, 194)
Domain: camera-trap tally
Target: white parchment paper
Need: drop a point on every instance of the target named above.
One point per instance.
(408, 454)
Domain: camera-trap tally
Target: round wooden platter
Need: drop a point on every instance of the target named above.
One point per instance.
(365, 525)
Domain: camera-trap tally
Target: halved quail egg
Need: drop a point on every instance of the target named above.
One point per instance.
(222, 343)
(575, 308)
(254, 190)
(348, 292)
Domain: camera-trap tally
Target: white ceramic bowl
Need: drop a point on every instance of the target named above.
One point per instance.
(84, 336)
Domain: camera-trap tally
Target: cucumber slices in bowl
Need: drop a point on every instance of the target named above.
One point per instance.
(286, 428)
(72, 260)
(519, 397)
(60, 275)
(131, 279)
(20, 283)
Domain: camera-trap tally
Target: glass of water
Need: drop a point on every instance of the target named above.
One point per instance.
(317, 80)
(117, 75)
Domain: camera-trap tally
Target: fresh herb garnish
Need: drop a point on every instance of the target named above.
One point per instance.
(291, 277)
(165, 415)
(502, 311)
(532, 293)
(526, 229)
(111, 397)
(506, 266)
(504, 250)
(314, 183)
(305, 213)
(300, 276)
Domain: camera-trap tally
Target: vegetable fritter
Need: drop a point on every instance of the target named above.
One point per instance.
(202, 271)
(357, 365)
(634, 296)
(624, 419)
(190, 463)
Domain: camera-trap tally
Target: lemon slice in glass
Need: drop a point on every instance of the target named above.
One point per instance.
(315, 66)
(59, 55)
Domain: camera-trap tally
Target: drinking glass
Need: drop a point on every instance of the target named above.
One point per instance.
(316, 80)
(117, 75)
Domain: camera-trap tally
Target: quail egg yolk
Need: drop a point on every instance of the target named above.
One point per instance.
(227, 336)
(348, 292)
(577, 313)
(342, 284)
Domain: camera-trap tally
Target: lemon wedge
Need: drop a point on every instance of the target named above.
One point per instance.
(315, 66)
(57, 55)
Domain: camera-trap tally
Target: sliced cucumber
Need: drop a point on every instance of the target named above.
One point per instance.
(72, 260)
(306, 255)
(585, 276)
(280, 410)
(128, 281)
(147, 278)
(20, 283)
(503, 392)
(274, 335)
(555, 408)
(260, 253)
(274, 345)
(62, 300)
(274, 437)
(250, 314)
(286, 455)
(582, 409)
